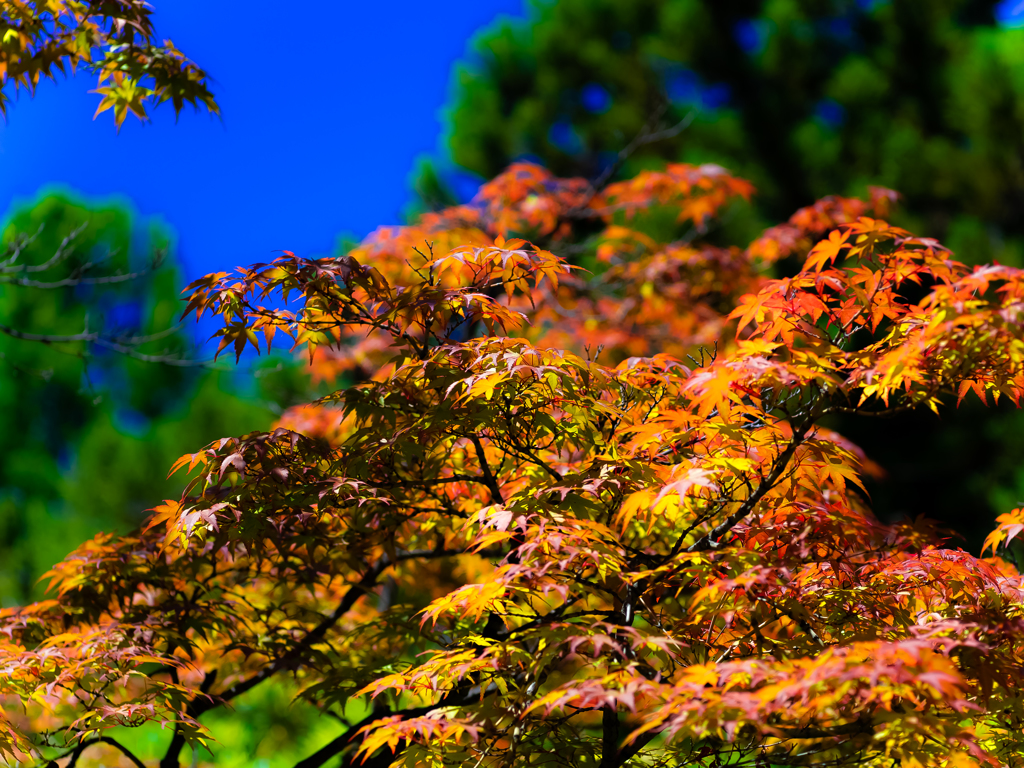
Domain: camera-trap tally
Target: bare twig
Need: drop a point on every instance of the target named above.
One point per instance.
(124, 346)
(14, 273)
(647, 135)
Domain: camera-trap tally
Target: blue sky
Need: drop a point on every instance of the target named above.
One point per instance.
(322, 121)
(323, 118)
(1010, 13)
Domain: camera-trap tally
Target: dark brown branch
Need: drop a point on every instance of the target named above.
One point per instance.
(438, 481)
(610, 737)
(799, 620)
(516, 447)
(710, 541)
(635, 746)
(200, 706)
(895, 410)
(348, 738)
(485, 468)
(315, 635)
(103, 740)
(847, 729)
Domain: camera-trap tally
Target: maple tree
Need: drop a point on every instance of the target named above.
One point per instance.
(566, 517)
(115, 39)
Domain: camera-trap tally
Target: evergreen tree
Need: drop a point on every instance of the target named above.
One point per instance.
(806, 97)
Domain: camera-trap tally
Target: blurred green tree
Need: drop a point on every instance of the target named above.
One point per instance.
(806, 98)
(99, 390)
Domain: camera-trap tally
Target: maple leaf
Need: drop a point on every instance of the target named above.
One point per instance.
(1010, 526)
(827, 251)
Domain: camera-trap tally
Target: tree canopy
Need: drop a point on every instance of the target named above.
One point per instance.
(566, 517)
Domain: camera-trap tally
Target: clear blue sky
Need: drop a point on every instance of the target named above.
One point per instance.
(323, 117)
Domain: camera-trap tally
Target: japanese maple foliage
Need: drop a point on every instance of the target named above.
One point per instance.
(567, 517)
(113, 39)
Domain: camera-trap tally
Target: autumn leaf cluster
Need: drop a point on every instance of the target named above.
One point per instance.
(115, 39)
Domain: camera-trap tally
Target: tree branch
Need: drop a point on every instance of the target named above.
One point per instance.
(200, 706)
(635, 746)
(610, 737)
(95, 337)
(485, 468)
(647, 135)
(103, 740)
(847, 729)
(7, 266)
(356, 591)
(710, 541)
(76, 279)
(49, 338)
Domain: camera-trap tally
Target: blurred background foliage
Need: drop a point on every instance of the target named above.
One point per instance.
(87, 434)
(805, 98)
(268, 727)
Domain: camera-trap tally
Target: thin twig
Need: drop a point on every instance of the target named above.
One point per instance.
(647, 135)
